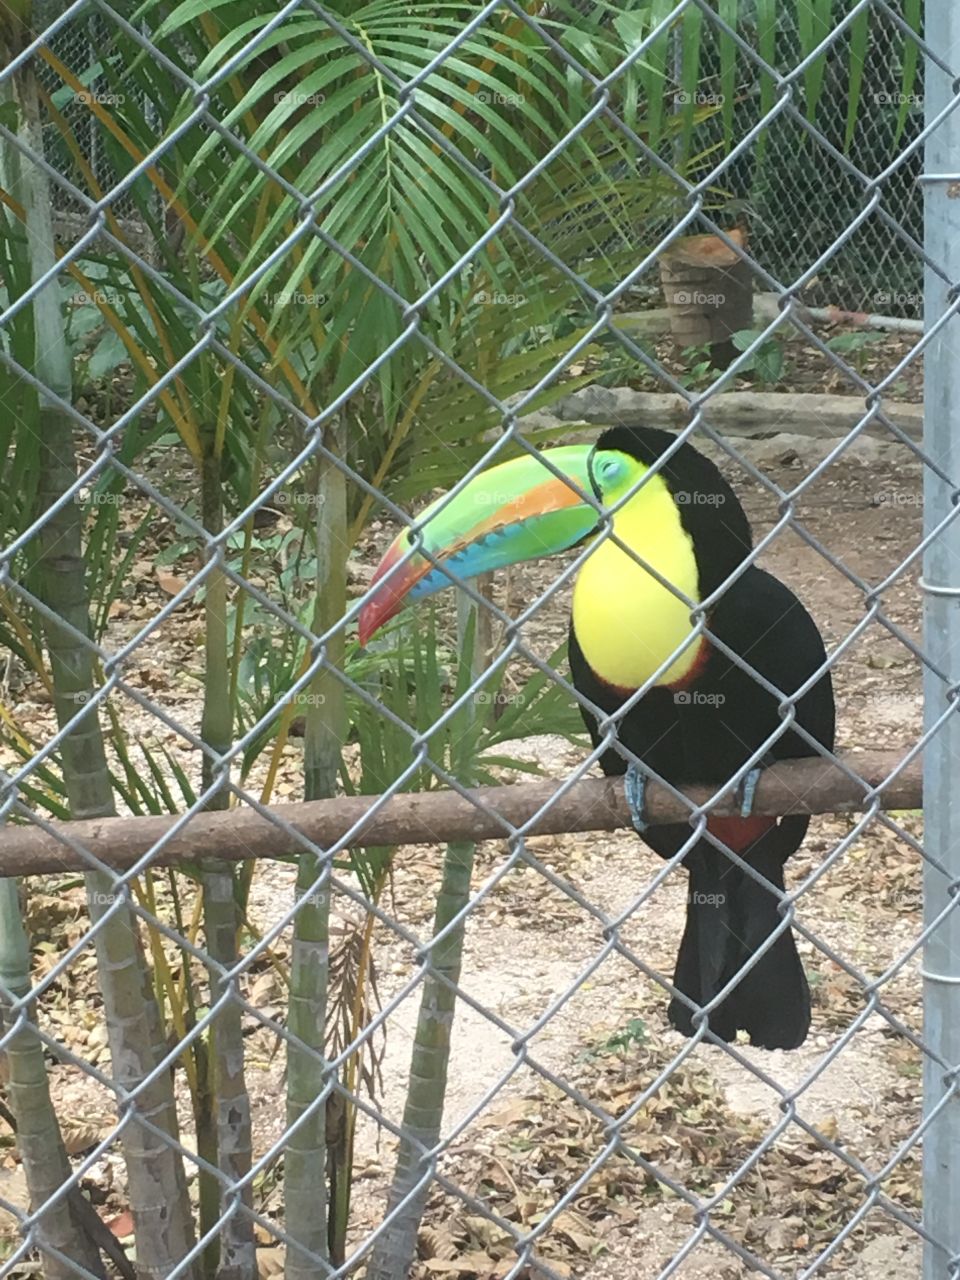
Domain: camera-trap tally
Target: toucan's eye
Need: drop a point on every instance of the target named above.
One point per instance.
(609, 470)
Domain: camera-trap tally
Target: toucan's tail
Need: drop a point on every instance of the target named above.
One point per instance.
(729, 916)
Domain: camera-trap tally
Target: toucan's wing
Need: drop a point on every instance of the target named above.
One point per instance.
(763, 622)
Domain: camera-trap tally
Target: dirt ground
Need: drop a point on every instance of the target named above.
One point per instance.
(543, 1096)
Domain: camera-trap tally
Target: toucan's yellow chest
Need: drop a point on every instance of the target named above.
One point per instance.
(626, 622)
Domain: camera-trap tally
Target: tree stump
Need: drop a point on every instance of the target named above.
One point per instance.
(709, 293)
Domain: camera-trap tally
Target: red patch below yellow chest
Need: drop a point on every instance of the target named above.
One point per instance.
(739, 834)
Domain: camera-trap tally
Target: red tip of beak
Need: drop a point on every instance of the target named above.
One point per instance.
(387, 600)
(372, 617)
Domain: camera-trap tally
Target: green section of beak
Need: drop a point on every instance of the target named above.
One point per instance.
(517, 510)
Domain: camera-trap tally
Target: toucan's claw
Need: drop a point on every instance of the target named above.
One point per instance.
(635, 787)
(747, 790)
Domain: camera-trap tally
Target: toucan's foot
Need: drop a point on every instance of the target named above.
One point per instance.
(747, 790)
(635, 787)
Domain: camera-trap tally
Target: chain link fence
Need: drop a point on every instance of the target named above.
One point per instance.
(783, 189)
(79, 44)
(581, 1135)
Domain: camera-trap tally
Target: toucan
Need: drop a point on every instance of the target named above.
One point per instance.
(732, 666)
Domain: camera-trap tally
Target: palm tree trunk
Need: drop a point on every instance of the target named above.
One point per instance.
(46, 1165)
(156, 1182)
(395, 1250)
(305, 1159)
(234, 1144)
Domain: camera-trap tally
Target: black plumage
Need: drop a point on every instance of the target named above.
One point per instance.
(703, 730)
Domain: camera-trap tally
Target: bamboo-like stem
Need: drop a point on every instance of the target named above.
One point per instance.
(305, 1158)
(234, 1144)
(156, 1181)
(341, 1146)
(185, 421)
(395, 1250)
(45, 1162)
(423, 1111)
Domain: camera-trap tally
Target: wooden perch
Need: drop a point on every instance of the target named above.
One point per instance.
(434, 817)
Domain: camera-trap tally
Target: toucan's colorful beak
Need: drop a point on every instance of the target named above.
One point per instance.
(518, 510)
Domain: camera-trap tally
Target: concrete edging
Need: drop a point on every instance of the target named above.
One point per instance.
(737, 413)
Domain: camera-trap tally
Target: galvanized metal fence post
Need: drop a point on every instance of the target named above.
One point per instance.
(941, 579)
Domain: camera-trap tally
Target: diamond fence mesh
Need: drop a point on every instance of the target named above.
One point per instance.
(386, 249)
(783, 188)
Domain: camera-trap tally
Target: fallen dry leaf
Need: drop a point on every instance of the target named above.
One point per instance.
(270, 1262)
(467, 1264)
(170, 583)
(79, 1138)
(122, 1225)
